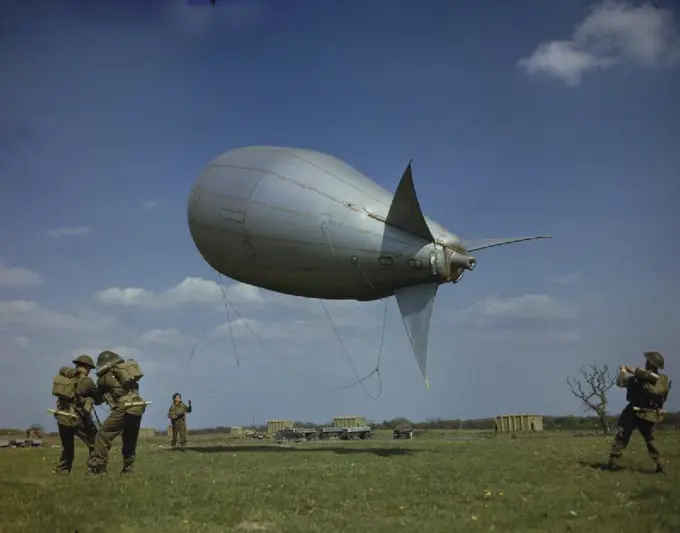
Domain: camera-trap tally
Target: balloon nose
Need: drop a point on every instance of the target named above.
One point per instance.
(461, 260)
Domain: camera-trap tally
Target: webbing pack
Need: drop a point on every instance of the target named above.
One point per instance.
(64, 388)
(128, 371)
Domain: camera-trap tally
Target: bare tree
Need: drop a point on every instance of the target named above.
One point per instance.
(592, 390)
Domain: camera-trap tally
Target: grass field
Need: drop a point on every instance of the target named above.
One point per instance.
(440, 483)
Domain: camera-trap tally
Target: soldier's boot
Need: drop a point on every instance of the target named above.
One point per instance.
(613, 464)
(659, 467)
(96, 471)
(61, 471)
(127, 468)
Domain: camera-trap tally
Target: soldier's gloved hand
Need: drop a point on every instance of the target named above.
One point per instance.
(189, 402)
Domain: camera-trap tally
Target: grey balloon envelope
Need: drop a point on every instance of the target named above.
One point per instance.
(304, 223)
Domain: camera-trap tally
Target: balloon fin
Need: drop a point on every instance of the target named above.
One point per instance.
(405, 212)
(415, 304)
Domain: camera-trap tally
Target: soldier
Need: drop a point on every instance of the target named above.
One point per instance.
(119, 381)
(76, 395)
(647, 390)
(177, 415)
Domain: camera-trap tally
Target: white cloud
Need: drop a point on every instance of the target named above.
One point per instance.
(69, 231)
(18, 277)
(561, 59)
(32, 315)
(190, 291)
(200, 291)
(168, 337)
(527, 308)
(567, 279)
(612, 33)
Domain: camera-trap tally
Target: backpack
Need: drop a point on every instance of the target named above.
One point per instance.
(659, 391)
(128, 371)
(665, 396)
(648, 395)
(64, 384)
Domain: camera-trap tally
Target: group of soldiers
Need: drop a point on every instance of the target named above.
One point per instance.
(118, 386)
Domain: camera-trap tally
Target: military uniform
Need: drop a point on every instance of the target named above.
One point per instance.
(647, 390)
(123, 419)
(78, 422)
(177, 415)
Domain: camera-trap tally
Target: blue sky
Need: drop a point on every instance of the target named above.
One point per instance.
(521, 119)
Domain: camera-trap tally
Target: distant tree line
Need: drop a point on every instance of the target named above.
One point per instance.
(570, 423)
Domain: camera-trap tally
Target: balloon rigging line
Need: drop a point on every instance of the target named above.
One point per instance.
(359, 381)
(376, 370)
(225, 300)
(231, 333)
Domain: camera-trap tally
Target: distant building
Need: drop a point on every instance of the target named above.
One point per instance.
(519, 423)
(275, 425)
(146, 433)
(349, 422)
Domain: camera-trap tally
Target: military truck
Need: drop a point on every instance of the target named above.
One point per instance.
(252, 434)
(274, 426)
(289, 434)
(403, 431)
(347, 428)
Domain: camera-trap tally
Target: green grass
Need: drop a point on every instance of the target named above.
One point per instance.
(534, 483)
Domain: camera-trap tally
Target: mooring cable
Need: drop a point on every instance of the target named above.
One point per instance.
(228, 303)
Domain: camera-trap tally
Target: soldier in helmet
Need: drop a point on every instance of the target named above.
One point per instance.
(647, 390)
(119, 381)
(177, 415)
(74, 415)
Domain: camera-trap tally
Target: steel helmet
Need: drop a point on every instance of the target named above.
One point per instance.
(107, 357)
(84, 360)
(655, 358)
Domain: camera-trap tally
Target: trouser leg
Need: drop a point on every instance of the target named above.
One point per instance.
(109, 430)
(87, 433)
(182, 432)
(130, 436)
(647, 431)
(627, 423)
(173, 443)
(66, 435)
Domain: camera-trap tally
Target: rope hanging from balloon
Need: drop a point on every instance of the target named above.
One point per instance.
(268, 352)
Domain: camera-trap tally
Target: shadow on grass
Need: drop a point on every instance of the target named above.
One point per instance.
(380, 452)
(597, 465)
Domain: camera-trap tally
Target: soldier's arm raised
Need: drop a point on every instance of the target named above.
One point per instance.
(104, 386)
(189, 407)
(623, 378)
(86, 388)
(646, 375)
